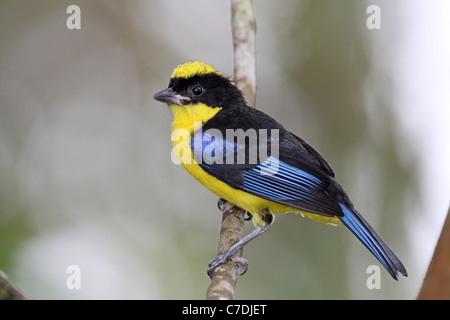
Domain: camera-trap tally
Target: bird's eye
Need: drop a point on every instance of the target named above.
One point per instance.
(197, 90)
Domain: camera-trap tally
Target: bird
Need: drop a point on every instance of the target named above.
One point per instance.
(213, 136)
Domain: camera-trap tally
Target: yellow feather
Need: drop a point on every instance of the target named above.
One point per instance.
(193, 68)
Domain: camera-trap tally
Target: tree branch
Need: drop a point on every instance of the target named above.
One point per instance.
(436, 284)
(8, 291)
(243, 25)
(224, 278)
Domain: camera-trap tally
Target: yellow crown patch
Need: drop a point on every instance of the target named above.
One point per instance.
(194, 68)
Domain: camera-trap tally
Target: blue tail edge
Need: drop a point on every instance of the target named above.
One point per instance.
(367, 235)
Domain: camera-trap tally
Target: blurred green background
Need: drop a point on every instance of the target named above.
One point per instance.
(85, 171)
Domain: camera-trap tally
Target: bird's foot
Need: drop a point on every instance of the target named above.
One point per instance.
(243, 263)
(224, 205)
(222, 258)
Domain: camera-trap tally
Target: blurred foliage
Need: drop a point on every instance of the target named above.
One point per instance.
(329, 60)
(14, 229)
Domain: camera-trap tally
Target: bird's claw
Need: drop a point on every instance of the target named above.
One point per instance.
(224, 205)
(243, 263)
(222, 258)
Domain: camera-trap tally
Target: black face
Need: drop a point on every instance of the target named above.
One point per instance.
(210, 89)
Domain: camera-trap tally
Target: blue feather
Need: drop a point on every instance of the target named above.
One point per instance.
(365, 233)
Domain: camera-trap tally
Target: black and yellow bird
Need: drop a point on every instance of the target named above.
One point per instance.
(278, 172)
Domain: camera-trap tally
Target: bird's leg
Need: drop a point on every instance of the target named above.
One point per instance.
(230, 253)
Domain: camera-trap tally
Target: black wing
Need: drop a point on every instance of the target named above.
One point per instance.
(285, 169)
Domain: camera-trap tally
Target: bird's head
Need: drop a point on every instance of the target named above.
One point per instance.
(195, 82)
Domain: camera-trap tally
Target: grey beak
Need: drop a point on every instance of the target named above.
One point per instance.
(170, 97)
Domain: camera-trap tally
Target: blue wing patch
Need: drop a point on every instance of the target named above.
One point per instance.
(272, 179)
(210, 147)
(275, 180)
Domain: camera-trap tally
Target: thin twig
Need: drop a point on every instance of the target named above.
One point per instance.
(224, 278)
(243, 25)
(8, 291)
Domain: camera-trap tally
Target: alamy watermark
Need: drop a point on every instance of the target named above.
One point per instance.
(374, 279)
(73, 22)
(373, 22)
(73, 281)
(237, 147)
